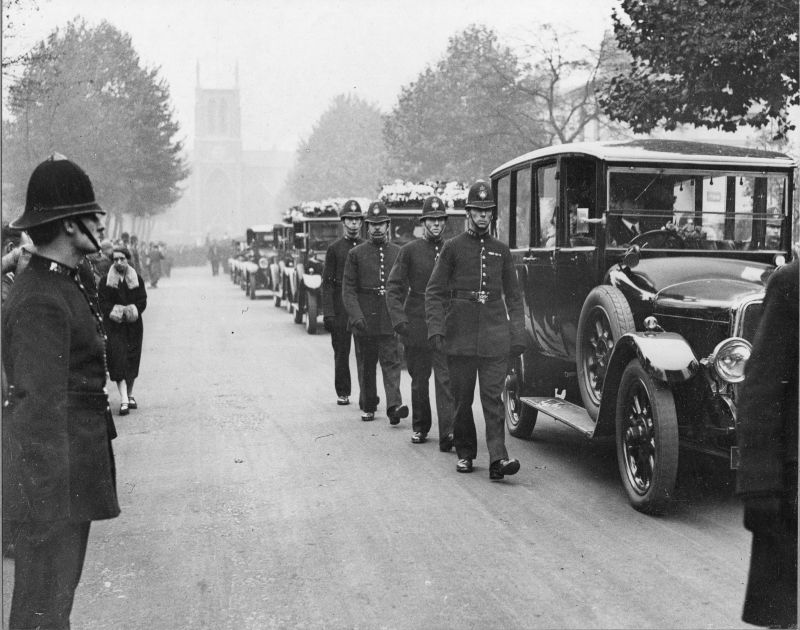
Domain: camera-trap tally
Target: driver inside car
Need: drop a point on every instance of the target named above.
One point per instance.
(623, 224)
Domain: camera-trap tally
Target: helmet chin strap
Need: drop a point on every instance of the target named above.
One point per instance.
(87, 233)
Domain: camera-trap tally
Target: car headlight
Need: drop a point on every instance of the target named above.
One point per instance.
(263, 263)
(729, 359)
(310, 269)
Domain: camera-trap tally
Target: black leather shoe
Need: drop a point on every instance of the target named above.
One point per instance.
(464, 465)
(396, 413)
(446, 445)
(343, 400)
(503, 467)
(368, 416)
(418, 437)
(132, 403)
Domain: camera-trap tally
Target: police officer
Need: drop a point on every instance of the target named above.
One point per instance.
(58, 464)
(364, 295)
(475, 285)
(405, 297)
(334, 313)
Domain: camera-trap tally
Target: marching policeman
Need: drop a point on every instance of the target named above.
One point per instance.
(364, 295)
(474, 313)
(334, 313)
(58, 464)
(405, 297)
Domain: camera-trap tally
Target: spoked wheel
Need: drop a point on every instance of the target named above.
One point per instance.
(605, 317)
(520, 418)
(647, 439)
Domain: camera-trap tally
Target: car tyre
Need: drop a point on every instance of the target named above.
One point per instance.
(311, 314)
(604, 318)
(298, 310)
(647, 439)
(520, 418)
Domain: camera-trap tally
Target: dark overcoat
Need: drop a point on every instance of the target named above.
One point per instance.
(767, 436)
(405, 291)
(332, 274)
(469, 264)
(57, 458)
(364, 286)
(124, 346)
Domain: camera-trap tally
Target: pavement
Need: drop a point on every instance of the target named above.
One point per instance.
(250, 500)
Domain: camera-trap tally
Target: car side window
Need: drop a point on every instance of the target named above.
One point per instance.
(503, 208)
(523, 209)
(581, 200)
(546, 206)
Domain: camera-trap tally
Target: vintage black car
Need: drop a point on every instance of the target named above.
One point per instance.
(312, 236)
(643, 265)
(255, 268)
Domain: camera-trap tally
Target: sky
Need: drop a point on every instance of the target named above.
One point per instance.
(295, 56)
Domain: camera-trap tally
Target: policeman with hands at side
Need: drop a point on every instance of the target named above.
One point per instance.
(474, 312)
(334, 313)
(405, 296)
(364, 295)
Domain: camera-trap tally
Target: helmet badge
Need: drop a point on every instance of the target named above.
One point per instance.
(435, 205)
(482, 192)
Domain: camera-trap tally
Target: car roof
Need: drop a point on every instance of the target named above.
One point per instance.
(262, 228)
(416, 211)
(660, 151)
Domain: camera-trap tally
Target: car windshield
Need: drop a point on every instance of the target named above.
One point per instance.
(696, 209)
(322, 234)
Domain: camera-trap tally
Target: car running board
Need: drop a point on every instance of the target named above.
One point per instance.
(563, 411)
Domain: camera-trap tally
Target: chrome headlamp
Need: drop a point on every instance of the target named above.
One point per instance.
(263, 263)
(729, 359)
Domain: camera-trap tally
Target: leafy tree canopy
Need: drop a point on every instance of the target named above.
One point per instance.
(83, 93)
(343, 156)
(465, 115)
(719, 64)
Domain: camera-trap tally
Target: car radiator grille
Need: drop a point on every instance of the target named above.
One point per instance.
(747, 320)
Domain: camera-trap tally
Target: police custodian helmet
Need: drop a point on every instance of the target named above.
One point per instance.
(350, 210)
(377, 213)
(480, 196)
(433, 208)
(58, 188)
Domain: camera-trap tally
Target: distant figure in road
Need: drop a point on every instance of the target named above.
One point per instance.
(214, 256)
(154, 258)
(58, 464)
(364, 295)
(333, 310)
(123, 298)
(474, 312)
(405, 297)
(767, 475)
(101, 261)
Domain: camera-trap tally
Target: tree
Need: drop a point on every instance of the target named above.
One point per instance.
(343, 156)
(83, 93)
(463, 116)
(562, 80)
(719, 64)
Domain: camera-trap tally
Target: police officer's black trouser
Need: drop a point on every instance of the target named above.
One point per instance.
(370, 350)
(491, 373)
(421, 361)
(48, 560)
(340, 340)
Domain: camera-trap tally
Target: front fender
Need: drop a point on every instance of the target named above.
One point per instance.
(665, 356)
(312, 281)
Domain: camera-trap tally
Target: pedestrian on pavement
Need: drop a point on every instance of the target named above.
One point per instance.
(214, 256)
(364, 296)
(154, 258)
(474, 312)
(58, 463)
(123, 299)
(767, 475)
(405, 297)
(333, 311)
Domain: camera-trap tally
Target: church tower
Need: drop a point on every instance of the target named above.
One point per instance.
(217, 161)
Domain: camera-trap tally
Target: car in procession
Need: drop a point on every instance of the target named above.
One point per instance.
(255, 267)
(403, 201)
(314, 227)
(643, 266)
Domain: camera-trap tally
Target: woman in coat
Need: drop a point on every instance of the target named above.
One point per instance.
(123, 298)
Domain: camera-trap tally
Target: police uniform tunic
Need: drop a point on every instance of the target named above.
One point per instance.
(332, 306)
(473, 300)
(364, 296)
(405, 298)
(58, 464)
